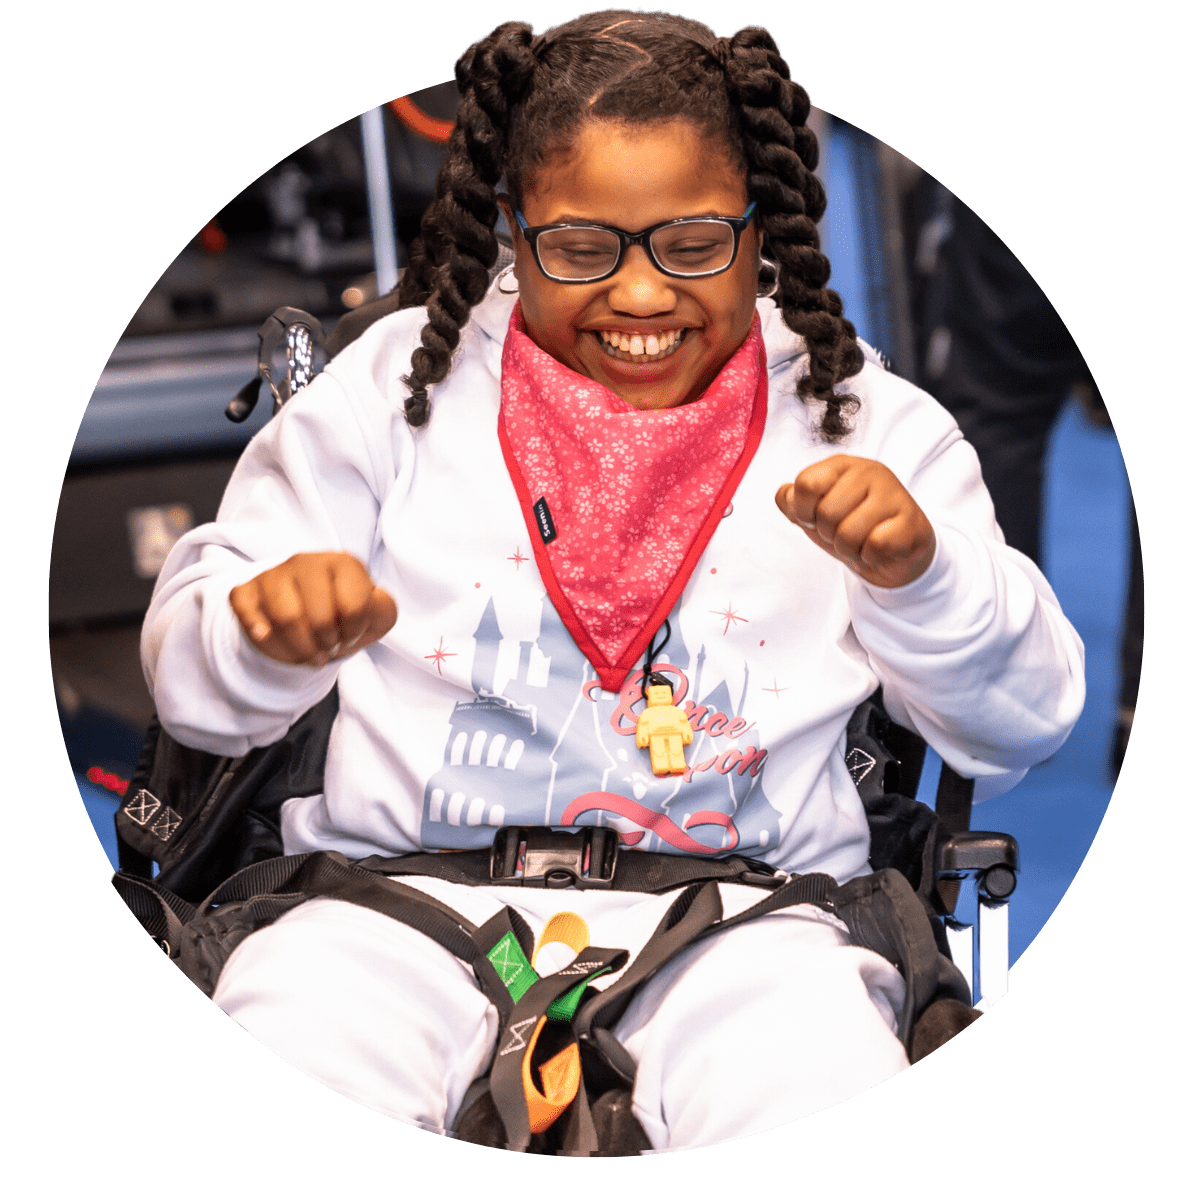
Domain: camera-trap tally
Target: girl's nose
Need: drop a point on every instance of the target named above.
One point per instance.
(638, 288)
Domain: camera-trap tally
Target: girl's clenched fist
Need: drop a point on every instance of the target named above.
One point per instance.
(313, 608)
(858, 511)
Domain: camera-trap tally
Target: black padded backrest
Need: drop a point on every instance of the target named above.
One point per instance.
(201, 817)
(885, 761)
(911, 752)
(352, 324)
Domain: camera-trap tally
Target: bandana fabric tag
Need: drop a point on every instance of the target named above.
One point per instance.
(638, 493)
(545, 522)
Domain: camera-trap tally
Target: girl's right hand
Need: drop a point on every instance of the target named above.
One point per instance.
(313, 608)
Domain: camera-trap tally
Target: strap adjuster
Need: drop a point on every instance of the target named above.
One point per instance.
(759, 873)
(538, 856)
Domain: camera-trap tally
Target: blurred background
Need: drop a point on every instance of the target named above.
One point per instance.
(926, 283)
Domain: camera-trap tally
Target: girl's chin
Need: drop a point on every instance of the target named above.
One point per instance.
(649, 393)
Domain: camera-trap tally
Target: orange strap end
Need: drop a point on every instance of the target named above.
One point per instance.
(560, 1077)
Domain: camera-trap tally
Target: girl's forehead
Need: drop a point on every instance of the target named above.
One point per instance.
(633, 175)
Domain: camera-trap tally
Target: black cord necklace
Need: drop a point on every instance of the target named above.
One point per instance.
(649, 677)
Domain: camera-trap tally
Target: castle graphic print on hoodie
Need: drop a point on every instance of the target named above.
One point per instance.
(537, 742)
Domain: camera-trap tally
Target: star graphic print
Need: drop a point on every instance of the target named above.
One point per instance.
(729, 616)
(438, 656)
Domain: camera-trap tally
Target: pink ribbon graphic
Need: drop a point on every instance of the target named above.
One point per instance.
(656, 822)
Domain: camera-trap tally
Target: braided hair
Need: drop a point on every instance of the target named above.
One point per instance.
(524, 99)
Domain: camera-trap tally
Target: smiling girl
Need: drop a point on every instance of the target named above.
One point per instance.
(654, 441)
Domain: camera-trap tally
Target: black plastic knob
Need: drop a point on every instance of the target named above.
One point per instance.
(998, 882)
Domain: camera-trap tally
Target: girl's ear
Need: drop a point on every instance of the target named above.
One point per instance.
(520, 246)
(507, 209)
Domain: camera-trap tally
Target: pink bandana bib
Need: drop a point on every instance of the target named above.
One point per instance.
(619, 502)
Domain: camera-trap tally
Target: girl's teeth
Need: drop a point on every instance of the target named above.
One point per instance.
(641, 348)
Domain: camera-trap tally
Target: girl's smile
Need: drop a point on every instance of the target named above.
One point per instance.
(655, 340)
(639, 348)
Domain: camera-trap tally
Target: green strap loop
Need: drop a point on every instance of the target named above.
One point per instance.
(564, 1008)
(507, 957)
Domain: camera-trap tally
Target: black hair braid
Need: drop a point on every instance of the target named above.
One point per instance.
(450, 262)
(781, 153)
(415, 284)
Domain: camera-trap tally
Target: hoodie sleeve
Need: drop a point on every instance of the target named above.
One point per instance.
(307, 482)
(975, 654)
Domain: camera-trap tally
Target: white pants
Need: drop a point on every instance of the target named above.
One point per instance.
(745, 1031)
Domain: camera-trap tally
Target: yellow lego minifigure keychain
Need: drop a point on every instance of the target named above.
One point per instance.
(664, 727)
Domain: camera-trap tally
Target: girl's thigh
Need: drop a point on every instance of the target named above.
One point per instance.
(758, 1026)
(367, 1005)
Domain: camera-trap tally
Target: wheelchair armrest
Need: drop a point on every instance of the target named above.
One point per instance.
(991, 856)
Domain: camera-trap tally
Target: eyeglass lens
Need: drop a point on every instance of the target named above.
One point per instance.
(686, 248)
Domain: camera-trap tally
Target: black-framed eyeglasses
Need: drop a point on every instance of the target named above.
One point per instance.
(686, 248)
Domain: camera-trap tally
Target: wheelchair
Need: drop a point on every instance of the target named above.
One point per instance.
(201, 865)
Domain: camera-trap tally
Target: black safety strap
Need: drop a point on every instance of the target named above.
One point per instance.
(581, 1137)
(953, 806)
(953, 800)
(636, 871)
(200, 939)
(884, 914)
(658, 873)
(809, 889)
(492, 984)
(881, 911)
(506, 1077)
(695, 914)
(698, 909)
(162, 913)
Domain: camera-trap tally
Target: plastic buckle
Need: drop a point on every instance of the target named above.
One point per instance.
(537, 856)
(759, 873)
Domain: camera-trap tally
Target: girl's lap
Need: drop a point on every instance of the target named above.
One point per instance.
(366, 1005)
(747, 1030)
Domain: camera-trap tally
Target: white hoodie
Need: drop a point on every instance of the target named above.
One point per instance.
(478, 710)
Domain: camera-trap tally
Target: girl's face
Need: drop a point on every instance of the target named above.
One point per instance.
(632, 177)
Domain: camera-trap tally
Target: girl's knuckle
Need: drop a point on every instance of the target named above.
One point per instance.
(284, 615)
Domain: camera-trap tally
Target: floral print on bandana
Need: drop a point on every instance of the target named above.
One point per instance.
(629, 490)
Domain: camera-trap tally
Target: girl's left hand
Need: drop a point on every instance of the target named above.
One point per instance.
(858, 511)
